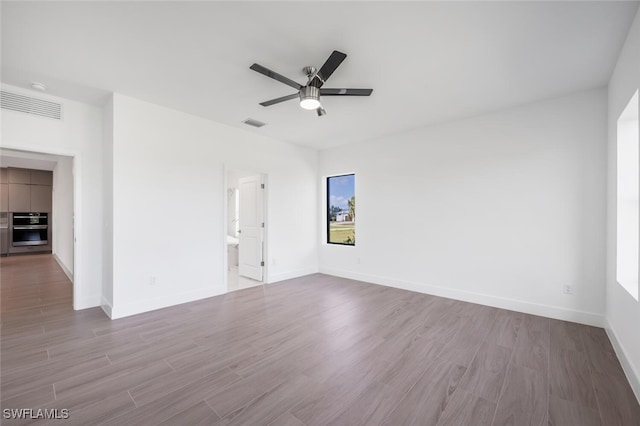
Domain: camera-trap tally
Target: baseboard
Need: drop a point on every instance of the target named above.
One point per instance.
(290, 275)
(548, 311)
(106, 307)
(86, 302)
(66, 270)
(125, 310)
(632, 373)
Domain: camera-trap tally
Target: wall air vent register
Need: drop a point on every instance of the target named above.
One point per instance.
(253, 122)
(29, 105)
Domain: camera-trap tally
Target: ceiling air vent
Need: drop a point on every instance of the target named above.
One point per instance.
(30, 105)
(254, 123)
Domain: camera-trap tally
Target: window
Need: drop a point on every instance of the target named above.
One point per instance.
(341, 210)
(628, 180)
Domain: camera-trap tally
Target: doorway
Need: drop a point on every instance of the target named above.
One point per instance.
(245, 227)
(54, 254)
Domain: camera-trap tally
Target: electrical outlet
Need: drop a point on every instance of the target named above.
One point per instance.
(568, 289)
(152, 280)
(358, 260)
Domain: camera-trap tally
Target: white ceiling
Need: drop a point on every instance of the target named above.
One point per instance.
(427, 62)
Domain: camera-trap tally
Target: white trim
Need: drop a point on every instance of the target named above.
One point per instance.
(264, 179)
(106, 306)
(632, 373)
(290, 274)
(589, 318)
(41, 149)
(78, 229)
(147, 305)
(85, 302)
(225, 218)
(66, 270)
(324, 236)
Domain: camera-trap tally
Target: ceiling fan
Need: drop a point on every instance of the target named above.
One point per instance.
(310, 93)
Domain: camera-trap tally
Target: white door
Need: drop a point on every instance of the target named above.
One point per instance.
(251, 228)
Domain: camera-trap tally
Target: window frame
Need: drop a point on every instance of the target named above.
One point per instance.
(328, 206)
(628, 283)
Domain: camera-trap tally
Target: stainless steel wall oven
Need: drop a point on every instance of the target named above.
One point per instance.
(29, 229)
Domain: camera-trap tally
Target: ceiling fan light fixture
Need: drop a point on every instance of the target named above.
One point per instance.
(310, 97)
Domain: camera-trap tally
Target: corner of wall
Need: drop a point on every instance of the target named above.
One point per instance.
(282, 276)
(633, 375)
(122, 310)
(86, 302)
(106, 307)
(66, 270)
(107, 194)
(622, 312)
(549, 311)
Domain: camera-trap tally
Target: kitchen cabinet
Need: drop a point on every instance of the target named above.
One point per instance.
(22, 176)
(40, 198)
(4, 197)
(19, 197)
(4, 175)
(27, 190)
(41, 177)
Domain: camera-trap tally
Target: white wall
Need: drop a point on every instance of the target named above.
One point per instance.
(62, 214)
(623, 311)
(168, 197)
(79, 134)
(502, 209)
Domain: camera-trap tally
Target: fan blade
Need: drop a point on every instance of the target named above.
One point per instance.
(345, 92)
(334, 61)
(278, 100)
(275, 76)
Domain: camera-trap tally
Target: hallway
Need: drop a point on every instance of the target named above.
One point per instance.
(33, 286)
(34, 292)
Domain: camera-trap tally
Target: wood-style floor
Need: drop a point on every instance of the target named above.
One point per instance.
(316, 350)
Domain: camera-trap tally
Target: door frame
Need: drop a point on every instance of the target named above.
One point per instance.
(226, 167)
(77, 211)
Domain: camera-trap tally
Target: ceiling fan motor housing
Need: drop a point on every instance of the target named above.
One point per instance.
(309, 71)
